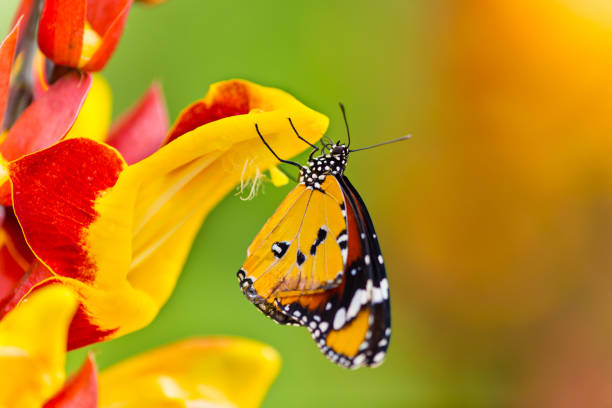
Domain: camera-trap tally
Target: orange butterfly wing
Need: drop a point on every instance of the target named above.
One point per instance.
(296, 251)
(307, 266)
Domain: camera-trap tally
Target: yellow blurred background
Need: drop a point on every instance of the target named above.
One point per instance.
(495, 218)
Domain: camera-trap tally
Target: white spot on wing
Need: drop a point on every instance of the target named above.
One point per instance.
(384, 287)
(377, 295)
(379, 357)
(340, 318)
(359, 360)
(355, 304)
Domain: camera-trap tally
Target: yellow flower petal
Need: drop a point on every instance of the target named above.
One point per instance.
(3, 170)
(33, 347)
(278, 177)
(94, 119)
(213, 372)
(91, 44)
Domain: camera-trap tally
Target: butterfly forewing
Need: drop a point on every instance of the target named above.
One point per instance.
(296, 251)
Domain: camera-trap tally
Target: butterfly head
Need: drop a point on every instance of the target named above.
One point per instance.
(332, 162)
(338, 151)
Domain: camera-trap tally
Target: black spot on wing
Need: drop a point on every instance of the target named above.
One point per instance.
(301, 258)
(280, 248)
(321, 235)
(342, 239)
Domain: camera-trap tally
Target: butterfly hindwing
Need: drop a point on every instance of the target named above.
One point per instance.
(351, 323)
(378, 286)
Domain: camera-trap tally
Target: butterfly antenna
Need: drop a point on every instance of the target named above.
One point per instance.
(316, 148)
(399, 139)
(348, 133)
(273, 152)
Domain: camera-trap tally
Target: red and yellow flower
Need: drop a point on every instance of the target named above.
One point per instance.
(215, 372)
(110, 214)
(119, 234)
(82, 33)
(96, 220)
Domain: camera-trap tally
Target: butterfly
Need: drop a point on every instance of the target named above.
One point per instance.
(317, 262)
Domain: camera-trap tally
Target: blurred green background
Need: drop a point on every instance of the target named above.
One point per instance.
(495, 218)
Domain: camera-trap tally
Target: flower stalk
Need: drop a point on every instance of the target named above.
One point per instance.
(22, 91)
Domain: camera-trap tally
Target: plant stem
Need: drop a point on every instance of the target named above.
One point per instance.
(22, 90)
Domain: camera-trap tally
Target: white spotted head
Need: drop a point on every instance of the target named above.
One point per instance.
(332, 162)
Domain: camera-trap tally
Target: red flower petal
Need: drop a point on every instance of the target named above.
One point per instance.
(142, 130)
(55, 211)
(15, 255)
(38, 274)
(60, 32)
(107, 18)
(230, 99)
(101, 14)
(7, 55)
(80, 391)
(47, 119)
(82, 332)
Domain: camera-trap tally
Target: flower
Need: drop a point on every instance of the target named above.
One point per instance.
(68, 110)
(82, 33)
(119, 234)
(75, 105)
(215, 372)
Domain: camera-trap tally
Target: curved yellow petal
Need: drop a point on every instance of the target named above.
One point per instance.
(212, 372)
(177, 186)
(33, 347)
(94, 118)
